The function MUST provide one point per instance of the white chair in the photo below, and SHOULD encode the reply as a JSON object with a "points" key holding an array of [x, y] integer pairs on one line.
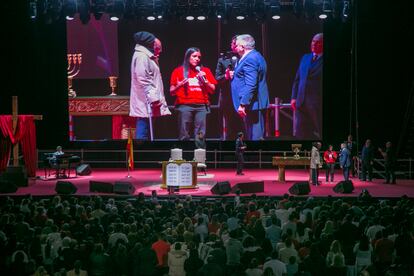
{"points": [[176, 154], [200, 158]]}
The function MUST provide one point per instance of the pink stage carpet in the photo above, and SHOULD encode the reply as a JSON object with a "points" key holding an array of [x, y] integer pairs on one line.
{"points": [[146, 180]]}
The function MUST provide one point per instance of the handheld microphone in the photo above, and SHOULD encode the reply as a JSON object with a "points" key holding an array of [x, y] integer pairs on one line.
{"points": [[233, 61], [198, 68]]}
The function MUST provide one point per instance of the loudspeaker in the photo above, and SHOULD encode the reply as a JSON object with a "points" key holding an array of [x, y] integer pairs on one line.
{"points": [[124, 187], [7, 186], [65, 188], [249, 187], [221, 188], [16, 175], [83, 169], [100, 187], [300, 188], [344, 187]]}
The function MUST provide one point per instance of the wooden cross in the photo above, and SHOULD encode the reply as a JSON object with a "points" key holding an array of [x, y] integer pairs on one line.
{"points": [[15, 115]]}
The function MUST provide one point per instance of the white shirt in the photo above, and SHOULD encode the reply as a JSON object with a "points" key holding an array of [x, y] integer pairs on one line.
{"points": [[244, 55], [279, 268]]}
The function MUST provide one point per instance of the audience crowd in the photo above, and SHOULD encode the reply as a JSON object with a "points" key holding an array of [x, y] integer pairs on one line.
{"points": [[181, 236]]}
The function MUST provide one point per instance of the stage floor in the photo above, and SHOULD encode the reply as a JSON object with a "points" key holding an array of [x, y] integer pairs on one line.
{"points": [[147, 180]]}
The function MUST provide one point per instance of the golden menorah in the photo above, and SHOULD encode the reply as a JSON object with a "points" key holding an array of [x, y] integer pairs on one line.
{"points": [[74, 63]]}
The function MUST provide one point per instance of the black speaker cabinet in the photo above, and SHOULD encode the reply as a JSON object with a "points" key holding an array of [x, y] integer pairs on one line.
{"points": [[124, 187], [65, 188], [300, 188], [249, 187], [221, 188], [344, 187], [17, 175], [84, 169], [7, 186], [101, 187]]}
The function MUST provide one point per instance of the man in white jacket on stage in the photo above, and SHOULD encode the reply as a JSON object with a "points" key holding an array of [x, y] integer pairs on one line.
{"points": [[147, 98]]}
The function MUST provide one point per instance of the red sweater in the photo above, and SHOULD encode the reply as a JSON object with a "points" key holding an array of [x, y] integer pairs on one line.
{"points": [[193, 92], [330, 157]]}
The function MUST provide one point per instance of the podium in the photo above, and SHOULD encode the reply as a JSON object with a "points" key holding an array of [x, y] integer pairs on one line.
{"points": [[179, 173], [281, 162]]}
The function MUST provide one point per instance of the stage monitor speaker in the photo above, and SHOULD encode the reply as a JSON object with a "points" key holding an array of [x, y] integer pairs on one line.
{"points": [[65, 188], [249, 187], [16, 175], [124, 187], [221, 188], [101, 187], [344, 187], [300, 188], [7, 186], [83, 169]]}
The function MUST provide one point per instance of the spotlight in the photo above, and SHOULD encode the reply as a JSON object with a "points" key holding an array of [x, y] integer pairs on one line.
{"points": [[33, 9], [240, 17], [116, 10], [70, 7], [219, 16], [345, 10], [201, 17], [98, 8], [275, 9], [189, 17], [151, 18], [159, 16], [326, 9], [84, 14]]}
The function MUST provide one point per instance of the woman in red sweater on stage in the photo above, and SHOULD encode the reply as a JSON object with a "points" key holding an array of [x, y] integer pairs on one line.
{"points": [[330, 157], [192, 84]]}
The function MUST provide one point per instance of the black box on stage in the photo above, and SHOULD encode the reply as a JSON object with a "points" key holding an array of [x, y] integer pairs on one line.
{"points": [[300, 188], [249, 187], [221, 188], [17, 175], [7, 186], [65, 188], [344, 187], [124, 187], [101, 187], [83, 169]]}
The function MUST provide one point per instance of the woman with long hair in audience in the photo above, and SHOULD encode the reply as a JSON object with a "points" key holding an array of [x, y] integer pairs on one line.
{"points": [[363, 253]]}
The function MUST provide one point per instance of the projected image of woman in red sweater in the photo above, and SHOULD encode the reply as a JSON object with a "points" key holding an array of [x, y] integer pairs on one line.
{"points": [[192, 84]]}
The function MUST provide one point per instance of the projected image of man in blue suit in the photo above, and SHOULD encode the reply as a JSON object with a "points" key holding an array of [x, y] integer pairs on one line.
{"points": [[307, 92], [249, 87]]}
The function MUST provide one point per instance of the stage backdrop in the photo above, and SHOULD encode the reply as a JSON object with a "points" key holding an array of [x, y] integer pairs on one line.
{"points": [[107, 49]]}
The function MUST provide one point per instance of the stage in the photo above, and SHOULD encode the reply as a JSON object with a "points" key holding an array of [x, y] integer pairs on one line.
{"points": [[147, 180]]}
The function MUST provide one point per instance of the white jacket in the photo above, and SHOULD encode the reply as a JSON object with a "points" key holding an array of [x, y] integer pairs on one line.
{"points": [[176, 259], [315, 158], [146, 85]]}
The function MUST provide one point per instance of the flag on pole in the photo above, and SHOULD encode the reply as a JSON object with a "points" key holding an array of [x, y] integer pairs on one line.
{"points": [[130, 150]]}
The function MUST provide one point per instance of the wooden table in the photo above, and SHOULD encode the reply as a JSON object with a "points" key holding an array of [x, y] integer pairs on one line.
{"points": [[282, 162]]}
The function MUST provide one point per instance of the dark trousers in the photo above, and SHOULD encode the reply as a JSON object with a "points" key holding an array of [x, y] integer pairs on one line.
{"points": [[366, 169], [345, 171], [308, 122], [254, 125], [330, 171], [390, 173], [315, 176], [191, 117], [240, 161]]}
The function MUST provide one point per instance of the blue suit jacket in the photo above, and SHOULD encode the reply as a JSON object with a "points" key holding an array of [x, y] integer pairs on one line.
{"points": [[345, 158], [307, 87], [249, 86]]}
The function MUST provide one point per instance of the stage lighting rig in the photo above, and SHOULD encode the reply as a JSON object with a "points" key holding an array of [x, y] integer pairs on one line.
{"points": [[98, 8], [70, 7], [116, 9], [84, 11]]}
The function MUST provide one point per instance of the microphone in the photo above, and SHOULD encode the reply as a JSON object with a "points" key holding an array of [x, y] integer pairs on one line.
{"points": [[233, 61], [198, 68]]}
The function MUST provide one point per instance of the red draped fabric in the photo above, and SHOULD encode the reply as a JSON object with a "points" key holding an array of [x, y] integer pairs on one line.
{"points": [[25, 135], [117, 124]]}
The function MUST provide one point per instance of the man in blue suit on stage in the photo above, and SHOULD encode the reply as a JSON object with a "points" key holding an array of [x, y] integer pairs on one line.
{"points": [[249, 88], [307, 92]]}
